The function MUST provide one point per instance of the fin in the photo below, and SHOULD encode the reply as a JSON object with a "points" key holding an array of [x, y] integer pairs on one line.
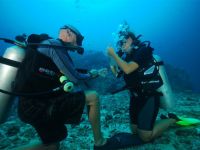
{"points": [[128, 140], [174, 116], [121, 140], [187, 121]]}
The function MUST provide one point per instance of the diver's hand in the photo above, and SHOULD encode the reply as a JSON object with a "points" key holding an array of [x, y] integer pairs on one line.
{"points": [[102, 72], [110, 51], [93, 73]]}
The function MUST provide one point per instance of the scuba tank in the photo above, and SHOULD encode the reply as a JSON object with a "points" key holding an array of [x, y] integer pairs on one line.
{"points": [[166, 100], [7, 76], [8, 72]]}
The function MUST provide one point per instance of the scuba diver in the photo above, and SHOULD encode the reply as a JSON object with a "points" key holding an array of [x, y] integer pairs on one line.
{"points": [[136, 63], [45, 68]]}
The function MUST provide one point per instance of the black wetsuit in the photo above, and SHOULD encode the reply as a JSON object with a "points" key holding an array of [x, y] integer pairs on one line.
{"points": [[144, 105], [48, 114]]}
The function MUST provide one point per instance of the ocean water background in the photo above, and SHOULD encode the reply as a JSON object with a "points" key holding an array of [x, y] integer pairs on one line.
{"points": [[173, 26]]}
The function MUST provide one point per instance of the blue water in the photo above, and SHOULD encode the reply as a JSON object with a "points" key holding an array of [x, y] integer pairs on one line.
{"points": [[173, 26]]}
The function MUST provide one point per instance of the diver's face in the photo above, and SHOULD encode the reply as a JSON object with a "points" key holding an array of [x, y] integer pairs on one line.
{"points": [[67, 35], [126, 47]]}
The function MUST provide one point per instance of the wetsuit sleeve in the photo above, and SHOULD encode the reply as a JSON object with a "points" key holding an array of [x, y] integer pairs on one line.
{"points": [[61, 59], [142, 55]]}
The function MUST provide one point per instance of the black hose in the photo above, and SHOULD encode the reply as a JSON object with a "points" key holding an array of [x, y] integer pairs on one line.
{"points": [[67, 46], [32, 94]]}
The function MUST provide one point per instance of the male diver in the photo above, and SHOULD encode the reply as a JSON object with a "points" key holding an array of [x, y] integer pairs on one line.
{"points": [[48, 114]]}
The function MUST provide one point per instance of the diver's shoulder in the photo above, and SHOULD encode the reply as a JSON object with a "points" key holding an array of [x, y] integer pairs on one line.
{"points": [[52, 41]]}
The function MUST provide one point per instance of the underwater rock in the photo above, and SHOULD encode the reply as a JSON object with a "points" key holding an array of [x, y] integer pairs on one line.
{"points": [[4, 143], [108, 117], [114, 119], [186, 132], [13, 130], [179, 78]]}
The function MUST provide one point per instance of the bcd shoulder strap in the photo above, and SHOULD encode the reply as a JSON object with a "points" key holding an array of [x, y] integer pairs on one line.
{"points": [[9, 62]]}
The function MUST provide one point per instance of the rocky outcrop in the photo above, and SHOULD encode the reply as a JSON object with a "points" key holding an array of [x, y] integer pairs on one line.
{"points": [[114, 119]]}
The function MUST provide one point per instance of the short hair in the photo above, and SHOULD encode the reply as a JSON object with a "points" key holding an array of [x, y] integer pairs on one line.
{"points": [[79, 36]]}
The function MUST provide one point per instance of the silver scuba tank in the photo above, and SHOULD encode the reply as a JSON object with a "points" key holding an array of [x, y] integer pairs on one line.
{"points": [[167, 100], [7, 76]]}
